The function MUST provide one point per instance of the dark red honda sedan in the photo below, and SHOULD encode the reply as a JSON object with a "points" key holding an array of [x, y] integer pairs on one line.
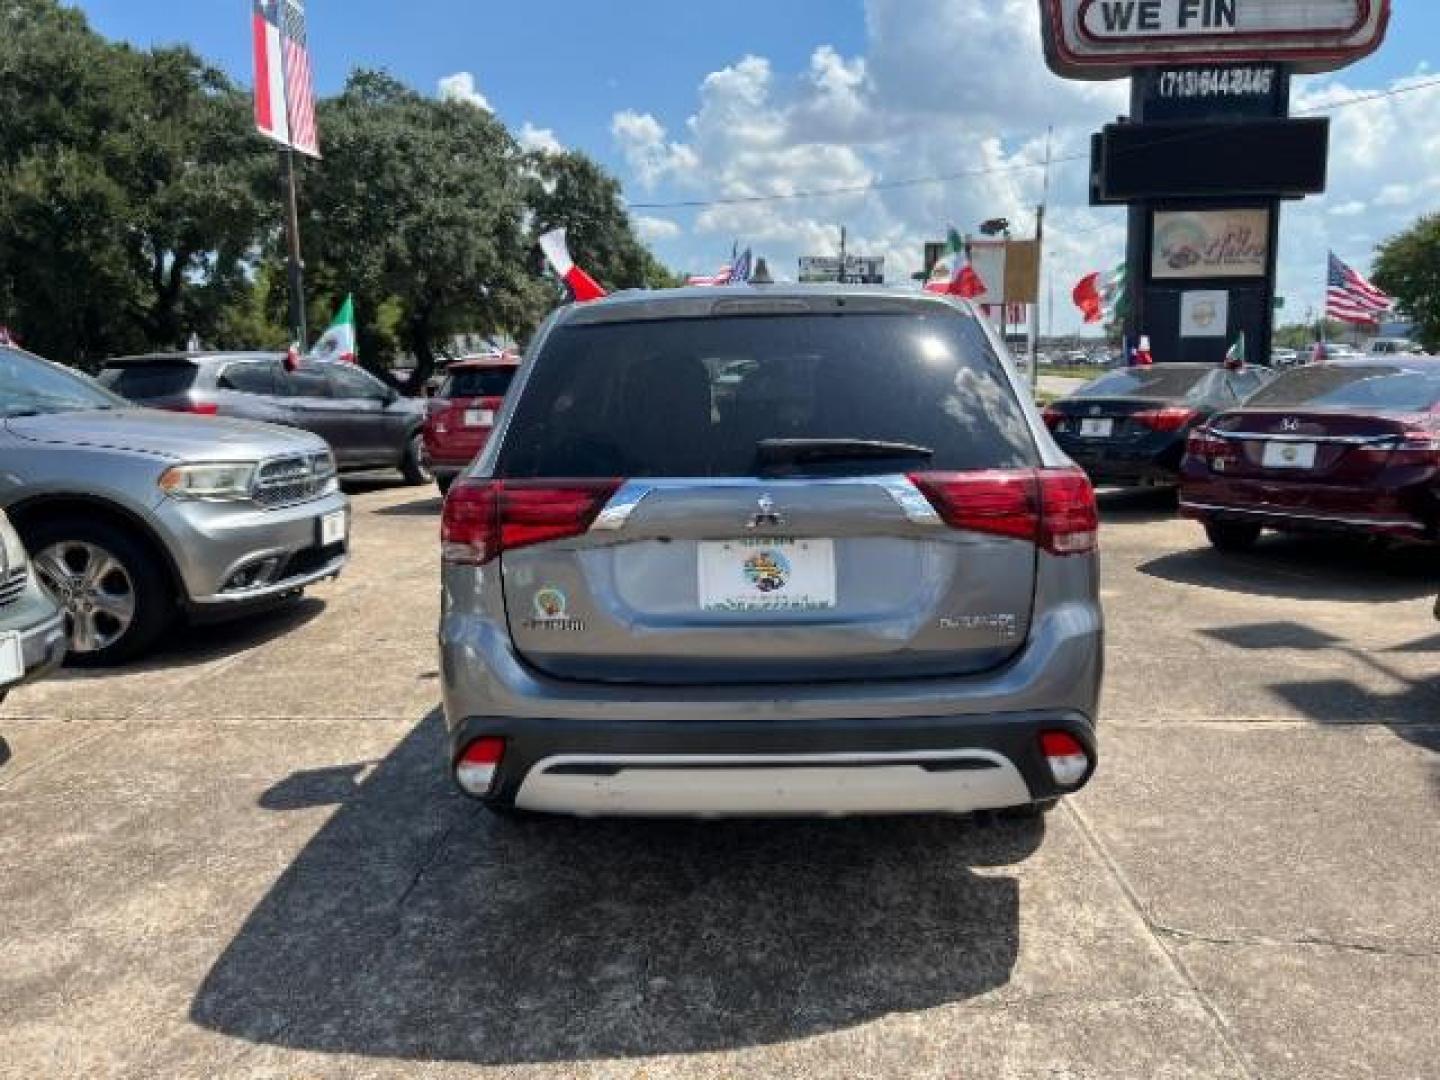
{"points": [[462, 414], [1349, 446]]}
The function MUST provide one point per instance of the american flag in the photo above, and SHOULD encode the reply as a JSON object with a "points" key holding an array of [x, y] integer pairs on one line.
{"points": [[284, 80], [1350, 298], [720, 277]]}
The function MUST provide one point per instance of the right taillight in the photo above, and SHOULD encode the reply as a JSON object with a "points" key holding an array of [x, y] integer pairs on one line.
{"points": [[1054, 508], [483, 518]]}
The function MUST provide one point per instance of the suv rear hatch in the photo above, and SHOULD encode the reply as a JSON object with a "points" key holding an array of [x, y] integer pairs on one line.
{"points": [[837, 495], [462, 415], [160, 383]]}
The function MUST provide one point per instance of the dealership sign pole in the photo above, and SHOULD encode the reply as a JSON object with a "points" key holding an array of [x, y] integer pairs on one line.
{"points": [[1209, 150]]}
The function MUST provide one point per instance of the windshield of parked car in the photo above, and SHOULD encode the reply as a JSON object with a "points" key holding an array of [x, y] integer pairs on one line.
{"points": [[698, 397], [30, 386], [1391, 387], [1165, 383], [478, 382]]}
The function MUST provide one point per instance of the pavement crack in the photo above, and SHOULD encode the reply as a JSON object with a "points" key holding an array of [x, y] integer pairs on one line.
{"points": [[432, 855], [1299, 941], [1182, 971]]}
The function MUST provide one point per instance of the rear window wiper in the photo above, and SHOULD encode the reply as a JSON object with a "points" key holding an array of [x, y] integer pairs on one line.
{"points": [[770, 453]]}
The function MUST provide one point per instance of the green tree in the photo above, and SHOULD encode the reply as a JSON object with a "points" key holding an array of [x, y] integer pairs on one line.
{"points": [[129, 212], [1408, 268], [570, 189], [419, 204]]}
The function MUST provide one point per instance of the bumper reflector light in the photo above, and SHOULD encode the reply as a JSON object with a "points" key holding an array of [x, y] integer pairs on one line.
{"points": [[475, 771], [1066, 757]]}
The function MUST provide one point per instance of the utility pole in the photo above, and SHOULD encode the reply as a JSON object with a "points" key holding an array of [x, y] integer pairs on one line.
{"points": [[1040, 262], [841, 277], [296, 266]]}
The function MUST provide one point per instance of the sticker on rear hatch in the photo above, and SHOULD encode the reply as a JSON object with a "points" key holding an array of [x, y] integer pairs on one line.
{"points": [[551, 611]]}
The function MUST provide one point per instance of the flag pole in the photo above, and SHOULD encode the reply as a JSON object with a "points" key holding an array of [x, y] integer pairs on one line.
{"points": [[295, 265]]}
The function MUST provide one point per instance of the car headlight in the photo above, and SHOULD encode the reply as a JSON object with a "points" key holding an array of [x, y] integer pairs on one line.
{"points": [[221, 483]]}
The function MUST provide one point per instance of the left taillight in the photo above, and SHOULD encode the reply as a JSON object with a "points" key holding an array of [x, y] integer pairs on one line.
{"points": [[1054, 508], [478, 762], [196, 408], [1053, 417], [1065, 756], [1167, 419], [483, 518]]}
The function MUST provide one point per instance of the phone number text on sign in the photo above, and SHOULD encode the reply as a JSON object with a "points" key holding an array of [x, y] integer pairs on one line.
{"points": [[1226, 82]]}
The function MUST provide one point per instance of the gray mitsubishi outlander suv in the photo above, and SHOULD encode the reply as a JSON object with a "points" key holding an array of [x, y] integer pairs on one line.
{"points": [[769, 551], [134, 517]]}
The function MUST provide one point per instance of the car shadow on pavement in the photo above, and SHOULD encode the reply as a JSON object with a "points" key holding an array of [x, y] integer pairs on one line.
{"points": [[4, 751], [1306, 568], [1137, 506], [416, 926], [426, 507]]}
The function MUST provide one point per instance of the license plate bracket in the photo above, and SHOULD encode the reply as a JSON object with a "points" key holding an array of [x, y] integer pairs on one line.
{"points": [[767, 574], [1097, 429], [1289, 455], [332, 528]]}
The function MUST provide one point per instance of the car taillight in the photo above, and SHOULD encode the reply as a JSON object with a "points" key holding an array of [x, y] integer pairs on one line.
{"points": [[483, 518], [1066, 757], [1054, 508], [1069, 518], [1053, 417], [1416, 447], [1209, 447], [198, 408], [475, 771], [1167, 419]]}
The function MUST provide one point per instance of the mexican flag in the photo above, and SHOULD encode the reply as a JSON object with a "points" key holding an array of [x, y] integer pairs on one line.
{"points": [[953, 275], [338, 342], [1235, 355], [1115, 296]]}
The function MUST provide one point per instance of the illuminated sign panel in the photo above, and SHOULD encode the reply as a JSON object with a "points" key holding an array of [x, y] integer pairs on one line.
{"points": [[1107, 39]]}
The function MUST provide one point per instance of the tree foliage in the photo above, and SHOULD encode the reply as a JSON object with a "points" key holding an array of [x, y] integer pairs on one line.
{"points": [[1408, 268], [139, 206]]}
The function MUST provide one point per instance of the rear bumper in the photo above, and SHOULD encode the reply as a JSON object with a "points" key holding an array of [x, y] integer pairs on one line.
{"points": [[945, 764], [1298, 520], [1152, 461]]}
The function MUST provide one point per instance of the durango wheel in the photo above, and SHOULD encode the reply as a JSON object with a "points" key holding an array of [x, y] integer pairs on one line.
{"points": [[116, 599]]}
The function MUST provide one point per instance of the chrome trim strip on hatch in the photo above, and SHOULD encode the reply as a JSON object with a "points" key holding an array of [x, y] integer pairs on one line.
{"points": [[617, 512], [1341, 440]]}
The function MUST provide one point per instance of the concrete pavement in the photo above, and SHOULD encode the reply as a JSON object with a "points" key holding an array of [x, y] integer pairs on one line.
{"points": [[243, 859]]}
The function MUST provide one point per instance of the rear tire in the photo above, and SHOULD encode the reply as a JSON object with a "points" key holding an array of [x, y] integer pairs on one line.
{"points": [[1232, 535], [112, 585], [414, 468]]}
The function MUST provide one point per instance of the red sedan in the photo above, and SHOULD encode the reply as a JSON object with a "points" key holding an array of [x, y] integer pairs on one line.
{"points": [[1350, 446], [462, 413]]}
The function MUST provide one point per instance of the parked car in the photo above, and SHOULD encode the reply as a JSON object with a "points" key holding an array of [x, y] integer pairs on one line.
{"points": [[1129, 427], [816, 599], [134, 516], [367, 424], [1393, 346], [462, 412], [32, 628], [1281, 358], [1351, 446]]}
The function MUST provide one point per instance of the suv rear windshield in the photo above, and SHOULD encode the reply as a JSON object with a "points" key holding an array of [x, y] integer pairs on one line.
{"points": [[150, 380], [695, 397], [1164, 383], [1389, 387], [478, 382]]}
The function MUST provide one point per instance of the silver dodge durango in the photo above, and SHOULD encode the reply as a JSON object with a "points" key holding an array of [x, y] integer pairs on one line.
{"points": [[770, 550]]}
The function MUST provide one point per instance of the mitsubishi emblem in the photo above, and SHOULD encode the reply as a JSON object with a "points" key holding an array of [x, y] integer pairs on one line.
{"points": [[768, 517]]}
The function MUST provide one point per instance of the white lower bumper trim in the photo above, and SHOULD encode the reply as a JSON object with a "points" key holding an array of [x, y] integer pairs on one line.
{"points": [[810, 785]]}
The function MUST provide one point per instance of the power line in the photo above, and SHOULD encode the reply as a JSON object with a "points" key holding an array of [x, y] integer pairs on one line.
{"points": [[966, 174]]}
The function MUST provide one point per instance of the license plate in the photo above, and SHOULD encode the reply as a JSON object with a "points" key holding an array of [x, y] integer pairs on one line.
{"points": [[1096, 429], [332, 528], [1289, 455], [479, 417], [12, 659], [767, 574]]}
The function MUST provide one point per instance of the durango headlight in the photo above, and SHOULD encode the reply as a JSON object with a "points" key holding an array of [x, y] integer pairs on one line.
{"points": [[220, 483]]}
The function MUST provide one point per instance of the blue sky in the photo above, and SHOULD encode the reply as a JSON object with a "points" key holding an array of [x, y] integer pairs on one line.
{"points": [[761, 98]]}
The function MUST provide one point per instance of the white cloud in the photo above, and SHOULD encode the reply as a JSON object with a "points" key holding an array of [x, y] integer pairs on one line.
{"points": [[538, 139], [652, 229], [961, 92], [461, 87]]}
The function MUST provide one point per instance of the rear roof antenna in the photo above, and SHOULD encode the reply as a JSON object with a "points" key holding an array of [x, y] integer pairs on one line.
{"points": [[761, 273]]}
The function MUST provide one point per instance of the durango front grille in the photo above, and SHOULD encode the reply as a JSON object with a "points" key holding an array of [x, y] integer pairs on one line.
{"points": [[294, 479], [12, 584]]}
